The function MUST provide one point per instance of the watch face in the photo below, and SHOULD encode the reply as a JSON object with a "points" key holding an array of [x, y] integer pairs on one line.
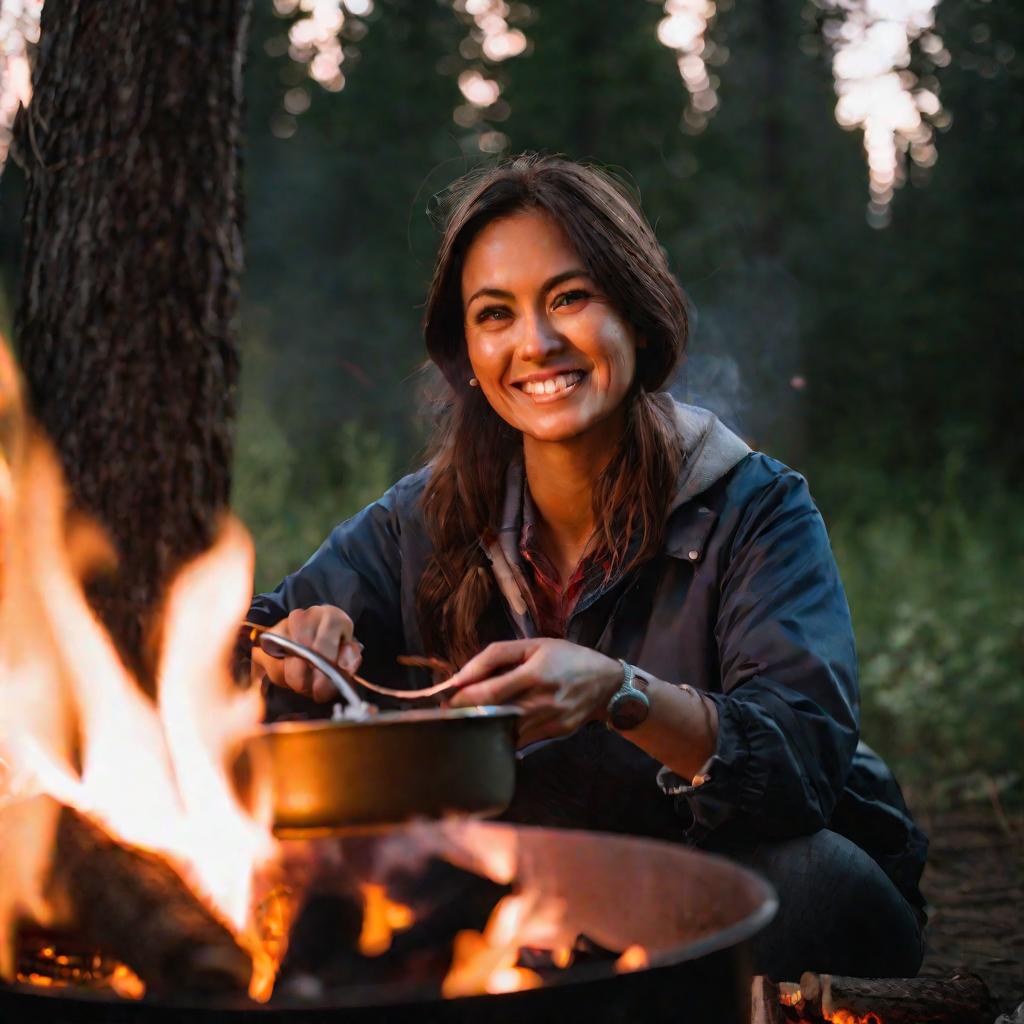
{"points": [[628, 710]]}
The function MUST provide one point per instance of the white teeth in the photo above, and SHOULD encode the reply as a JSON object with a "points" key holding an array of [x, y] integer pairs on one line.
{"points": [[561, 382]]}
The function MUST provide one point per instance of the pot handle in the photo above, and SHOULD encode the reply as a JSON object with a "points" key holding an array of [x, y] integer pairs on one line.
{"points": [[278, 646]]}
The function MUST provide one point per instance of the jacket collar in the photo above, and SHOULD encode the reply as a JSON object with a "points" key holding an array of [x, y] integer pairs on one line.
{"points": [[711, 450]]}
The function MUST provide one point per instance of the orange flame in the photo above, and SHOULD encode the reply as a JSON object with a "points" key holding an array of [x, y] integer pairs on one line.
{"points": [[633, 958], [846, 1017], [382, 917], [487, 963], [562, 957], [153, 775]]}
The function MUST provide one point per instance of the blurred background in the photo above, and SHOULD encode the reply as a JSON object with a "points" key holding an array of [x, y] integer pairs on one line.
{"points": [[837, 184]]}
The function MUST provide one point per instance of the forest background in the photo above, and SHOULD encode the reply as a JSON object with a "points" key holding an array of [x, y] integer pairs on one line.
{"points": [[876, 347]]}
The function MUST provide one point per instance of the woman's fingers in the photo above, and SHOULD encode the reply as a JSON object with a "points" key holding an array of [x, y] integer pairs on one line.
{"points": [[324, 629], [492, 658], [323, 690], [298, 676], [503, 689]]}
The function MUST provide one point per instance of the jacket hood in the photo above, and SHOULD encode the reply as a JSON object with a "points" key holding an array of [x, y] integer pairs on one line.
{"points": [[711, 448]]}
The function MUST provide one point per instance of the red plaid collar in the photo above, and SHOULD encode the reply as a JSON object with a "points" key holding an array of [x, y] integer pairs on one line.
{"points": [[554, 601]]}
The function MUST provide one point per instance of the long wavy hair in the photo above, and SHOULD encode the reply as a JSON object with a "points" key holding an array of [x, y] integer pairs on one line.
{"points": [[472, 446]]}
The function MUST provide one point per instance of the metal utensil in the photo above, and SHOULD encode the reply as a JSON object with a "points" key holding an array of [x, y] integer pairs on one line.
{"points": [[265, 637], [353, 708]]}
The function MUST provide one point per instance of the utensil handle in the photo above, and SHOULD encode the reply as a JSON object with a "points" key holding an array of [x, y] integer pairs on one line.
{"points": [[278, 646]]}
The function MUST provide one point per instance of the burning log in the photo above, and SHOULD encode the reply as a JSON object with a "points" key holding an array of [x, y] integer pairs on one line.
{"points": [[329, 945], [963, 999], [136, 906]]}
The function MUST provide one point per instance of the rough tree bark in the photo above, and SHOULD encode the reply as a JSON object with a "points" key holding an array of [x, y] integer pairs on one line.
{"points": [[132, 254]]}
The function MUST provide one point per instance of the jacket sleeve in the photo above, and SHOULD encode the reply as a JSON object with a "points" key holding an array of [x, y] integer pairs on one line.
{"points": [[788, 711], [358, 568]]}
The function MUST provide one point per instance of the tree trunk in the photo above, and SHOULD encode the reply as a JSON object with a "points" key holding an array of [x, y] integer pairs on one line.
{"points": [[132, 253]]}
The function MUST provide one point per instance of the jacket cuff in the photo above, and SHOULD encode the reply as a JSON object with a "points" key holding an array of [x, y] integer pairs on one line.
{"points": [[728, 784]]}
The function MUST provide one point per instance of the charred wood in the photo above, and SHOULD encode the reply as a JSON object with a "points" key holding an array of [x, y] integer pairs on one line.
{"points": [[135, 906], [323, 949], [963, 999]]}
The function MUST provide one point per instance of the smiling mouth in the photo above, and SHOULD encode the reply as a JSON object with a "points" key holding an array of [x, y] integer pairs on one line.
{"points": [[557, 386]]}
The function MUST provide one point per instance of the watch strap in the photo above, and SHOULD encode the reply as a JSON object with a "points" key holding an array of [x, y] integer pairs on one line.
{"points": [[632, 692]]}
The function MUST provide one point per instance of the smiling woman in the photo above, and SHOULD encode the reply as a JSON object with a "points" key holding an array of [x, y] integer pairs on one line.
{"points": [[659, 601], [553, 357]]}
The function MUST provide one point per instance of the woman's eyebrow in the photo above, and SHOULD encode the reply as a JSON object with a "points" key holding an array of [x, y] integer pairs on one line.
{"points": [[566, 275], [551, 282], [494, 293]]}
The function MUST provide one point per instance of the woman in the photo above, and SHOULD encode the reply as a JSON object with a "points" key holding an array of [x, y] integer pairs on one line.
{"points": [[572, 516]]}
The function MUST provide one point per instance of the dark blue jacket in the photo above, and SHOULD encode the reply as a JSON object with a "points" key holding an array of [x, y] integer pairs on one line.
{"points": [[744, 602]]}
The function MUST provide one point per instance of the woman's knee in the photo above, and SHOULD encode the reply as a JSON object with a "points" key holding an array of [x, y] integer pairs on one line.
{"points": [[838, 911]]}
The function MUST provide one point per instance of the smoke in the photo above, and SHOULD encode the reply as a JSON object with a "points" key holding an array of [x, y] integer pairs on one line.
{"points": [[745, 360]]}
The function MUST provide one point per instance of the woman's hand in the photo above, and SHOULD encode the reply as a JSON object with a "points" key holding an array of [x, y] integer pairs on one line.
{"points": [[559, 685], [328, 631]]}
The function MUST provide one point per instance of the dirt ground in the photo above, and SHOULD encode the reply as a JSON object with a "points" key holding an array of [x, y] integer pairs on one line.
{"points": [[974, 883]]}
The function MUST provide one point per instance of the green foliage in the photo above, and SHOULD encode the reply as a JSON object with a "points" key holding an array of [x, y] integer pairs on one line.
{"points": [[288, 516], [938, 609]]}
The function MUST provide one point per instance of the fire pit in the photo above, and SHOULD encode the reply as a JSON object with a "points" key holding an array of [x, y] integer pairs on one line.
{"points": [[644, 930]]}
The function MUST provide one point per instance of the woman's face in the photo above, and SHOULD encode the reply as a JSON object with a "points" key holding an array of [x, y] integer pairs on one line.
{"points": [[553, 357]]}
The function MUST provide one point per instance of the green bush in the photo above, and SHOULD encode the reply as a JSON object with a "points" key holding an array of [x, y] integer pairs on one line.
{"points": [[938, 608], [290, 501]]}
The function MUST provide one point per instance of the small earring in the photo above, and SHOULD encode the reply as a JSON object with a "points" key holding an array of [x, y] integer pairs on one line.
{"points": [[473, 382]]}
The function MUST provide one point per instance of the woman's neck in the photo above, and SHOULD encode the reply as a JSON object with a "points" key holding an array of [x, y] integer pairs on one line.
{"points": [[561, 477]]}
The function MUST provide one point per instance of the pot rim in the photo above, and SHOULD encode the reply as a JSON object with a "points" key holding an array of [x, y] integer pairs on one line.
{"points": [[409, 717]]}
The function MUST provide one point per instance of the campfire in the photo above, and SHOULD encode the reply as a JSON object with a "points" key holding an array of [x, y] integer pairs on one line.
{"points": [[136, 864]]}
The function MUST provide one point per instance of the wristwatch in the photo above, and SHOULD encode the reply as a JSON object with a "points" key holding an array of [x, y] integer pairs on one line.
{"points": [[630, 705]]}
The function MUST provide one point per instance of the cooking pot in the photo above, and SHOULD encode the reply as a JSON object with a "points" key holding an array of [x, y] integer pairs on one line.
{"points": [[369, 767]]}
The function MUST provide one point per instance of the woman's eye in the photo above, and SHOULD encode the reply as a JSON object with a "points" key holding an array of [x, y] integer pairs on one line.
{"points": [[568, 298], [491, 313]]}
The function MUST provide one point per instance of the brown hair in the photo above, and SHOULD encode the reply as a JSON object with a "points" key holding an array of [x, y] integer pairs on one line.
{"points": [[472, 445]]}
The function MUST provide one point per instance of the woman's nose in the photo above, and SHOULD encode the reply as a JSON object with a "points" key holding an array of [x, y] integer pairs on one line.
{"points": [[539, 340]]}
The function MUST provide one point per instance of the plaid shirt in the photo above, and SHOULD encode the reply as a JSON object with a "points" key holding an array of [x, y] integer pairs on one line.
{"points": [[553, 601]]}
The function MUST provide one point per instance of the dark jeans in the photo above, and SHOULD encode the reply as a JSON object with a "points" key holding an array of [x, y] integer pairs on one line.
{"points": [[838, 912]]}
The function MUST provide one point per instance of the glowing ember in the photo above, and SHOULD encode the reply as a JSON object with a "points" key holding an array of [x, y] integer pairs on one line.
{"points": [[845, 1017], [152, 775], [487, 963], [49, 969], [382, 917], [126, 983], [789, 993], [562, 957], [267, 939], [634, 958]]}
